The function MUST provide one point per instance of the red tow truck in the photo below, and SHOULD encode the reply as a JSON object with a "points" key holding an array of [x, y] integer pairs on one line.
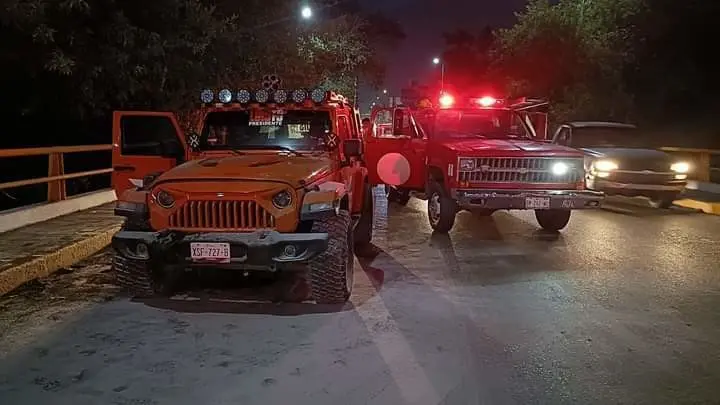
{"points": [[476, 153]]}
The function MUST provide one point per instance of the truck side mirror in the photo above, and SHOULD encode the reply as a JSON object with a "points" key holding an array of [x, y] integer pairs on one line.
{"points": [[352, 148]]}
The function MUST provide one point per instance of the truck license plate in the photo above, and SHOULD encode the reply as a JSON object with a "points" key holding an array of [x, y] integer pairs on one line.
{"points": [[214, 252], [537, 203]]}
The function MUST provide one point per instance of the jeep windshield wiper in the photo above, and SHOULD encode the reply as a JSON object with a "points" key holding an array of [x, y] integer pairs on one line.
{"points": [[271, 147]]}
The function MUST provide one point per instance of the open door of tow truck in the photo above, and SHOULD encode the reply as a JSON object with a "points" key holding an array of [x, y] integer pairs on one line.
{"points": [[534, 112], [144, 142], [396, 149]]}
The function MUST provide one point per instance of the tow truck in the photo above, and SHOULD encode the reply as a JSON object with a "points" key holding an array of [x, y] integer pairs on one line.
{"points": [[269, 180], [477, 153]]}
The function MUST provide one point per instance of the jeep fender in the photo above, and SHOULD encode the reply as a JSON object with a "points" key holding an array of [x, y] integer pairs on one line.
{"points": [[326, 199]]}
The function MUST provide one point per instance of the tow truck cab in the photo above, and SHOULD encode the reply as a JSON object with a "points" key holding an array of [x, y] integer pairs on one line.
{"points": [[478, 153]]}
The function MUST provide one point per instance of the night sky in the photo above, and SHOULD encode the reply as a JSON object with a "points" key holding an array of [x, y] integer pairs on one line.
{"points": [[424, 21]]}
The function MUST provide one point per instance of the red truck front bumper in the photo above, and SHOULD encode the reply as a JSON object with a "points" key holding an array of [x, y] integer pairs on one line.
{"points": [[527, 199]]}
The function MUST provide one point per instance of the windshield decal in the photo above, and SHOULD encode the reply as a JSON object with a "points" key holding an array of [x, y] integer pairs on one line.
{"points": [[261, 118]]}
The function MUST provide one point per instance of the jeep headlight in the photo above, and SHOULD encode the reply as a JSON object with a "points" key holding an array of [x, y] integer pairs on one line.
{"points": [[560, 168], [680, 167], [282, 199], [467, 164], [164, 199], [605, 165]]}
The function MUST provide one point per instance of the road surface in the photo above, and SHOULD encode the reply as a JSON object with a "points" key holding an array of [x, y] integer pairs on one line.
{"points": [[622, 308]]}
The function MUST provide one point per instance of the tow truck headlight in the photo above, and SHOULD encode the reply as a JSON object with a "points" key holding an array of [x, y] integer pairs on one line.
{"points": [[605, 165], [680, 167], [467, 164], [282, 199], [560, 168]]}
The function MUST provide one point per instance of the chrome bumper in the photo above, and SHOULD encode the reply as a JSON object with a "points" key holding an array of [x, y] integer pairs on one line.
{"points": [[527, 199], [603, 185]]}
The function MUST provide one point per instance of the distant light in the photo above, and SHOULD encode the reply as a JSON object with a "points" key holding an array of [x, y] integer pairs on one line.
{"points": [[436, 61], [385, 91], [306, 12], [487, 101], [447, 100]]}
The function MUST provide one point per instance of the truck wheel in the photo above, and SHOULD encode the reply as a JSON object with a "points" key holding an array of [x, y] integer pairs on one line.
{"points": [[137, 277], [441, 208], [665, 201], [397, 195], [552, 220], [364, 227], [331, 272]]}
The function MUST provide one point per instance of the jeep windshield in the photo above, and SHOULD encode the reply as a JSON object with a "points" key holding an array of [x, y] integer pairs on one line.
{"points": [[607, 137], [273, 129], [478, 123]]}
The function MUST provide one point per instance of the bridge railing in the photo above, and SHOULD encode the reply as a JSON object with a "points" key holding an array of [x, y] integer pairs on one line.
{"points": [[704, 168], [56, 178]]}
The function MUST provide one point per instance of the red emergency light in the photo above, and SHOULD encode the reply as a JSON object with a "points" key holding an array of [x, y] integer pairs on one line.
{"points": [[446, 100], [486, 101]]}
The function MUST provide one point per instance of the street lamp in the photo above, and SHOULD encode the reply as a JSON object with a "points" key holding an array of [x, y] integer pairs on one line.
{"points": [[306, 13], [438, 61]]}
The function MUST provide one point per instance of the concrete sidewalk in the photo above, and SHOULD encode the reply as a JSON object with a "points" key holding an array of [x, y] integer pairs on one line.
{"points": [[38, 250], [705, 201]]}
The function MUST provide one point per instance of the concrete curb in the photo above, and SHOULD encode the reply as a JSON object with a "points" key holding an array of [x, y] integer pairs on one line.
{"points": [[45, 265], [706, 207]]}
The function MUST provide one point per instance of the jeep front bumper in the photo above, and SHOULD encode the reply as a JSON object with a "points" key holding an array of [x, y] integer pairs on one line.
{"points": [[248, 250], [526, 199]]}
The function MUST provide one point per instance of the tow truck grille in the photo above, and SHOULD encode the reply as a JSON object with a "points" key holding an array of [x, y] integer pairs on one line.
{"points": [[226, 215], [521, 170]]}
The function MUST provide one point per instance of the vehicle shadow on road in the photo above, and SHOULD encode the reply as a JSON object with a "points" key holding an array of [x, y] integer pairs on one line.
{"points": [[641, 208]]}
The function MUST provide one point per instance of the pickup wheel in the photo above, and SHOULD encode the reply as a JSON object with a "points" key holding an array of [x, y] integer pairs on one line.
{"points": [[664, 201], [138, 278], [552, 220], [441, 208], [331, 272], [364, 227], [397, 195]]}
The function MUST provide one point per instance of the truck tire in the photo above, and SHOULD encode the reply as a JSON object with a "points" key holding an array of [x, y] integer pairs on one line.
{"points": [[364, 227], [553, 220], [136, 277], [397, 195], [664, 201], [441, 208], [331, 272]]}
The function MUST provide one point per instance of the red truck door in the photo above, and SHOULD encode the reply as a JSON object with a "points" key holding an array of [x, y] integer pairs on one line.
{"points": [[144, 142], [396, 150]]}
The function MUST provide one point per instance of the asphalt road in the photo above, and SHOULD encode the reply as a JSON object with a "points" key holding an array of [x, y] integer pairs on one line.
{"points": [[623, 307]]}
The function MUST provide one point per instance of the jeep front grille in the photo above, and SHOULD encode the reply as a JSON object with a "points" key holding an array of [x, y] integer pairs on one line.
{"points": [[230, 215], [521, 170]]}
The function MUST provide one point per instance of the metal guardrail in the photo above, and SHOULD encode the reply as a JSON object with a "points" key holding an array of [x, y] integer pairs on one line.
{"points": [[56, 178], [701, 160]]}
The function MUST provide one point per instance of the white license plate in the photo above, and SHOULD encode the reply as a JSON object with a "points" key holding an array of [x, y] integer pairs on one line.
{"points": [[537, 203], [214, 252]]}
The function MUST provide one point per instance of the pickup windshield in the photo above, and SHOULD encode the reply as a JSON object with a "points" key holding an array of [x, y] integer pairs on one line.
{"points": [[265, 128], [479, 123]]}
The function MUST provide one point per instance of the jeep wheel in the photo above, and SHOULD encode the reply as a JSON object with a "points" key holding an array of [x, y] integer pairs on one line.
{"points": [[138, 279], [331, 272], [552, 220], [364, 227], [441, 208], [397, 195]]}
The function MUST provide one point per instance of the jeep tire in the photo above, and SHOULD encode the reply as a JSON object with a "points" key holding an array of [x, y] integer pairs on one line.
{"points": [[397, 195], [331, 272], [364, 227], [138, 278], [553, 220], [441, 208]]}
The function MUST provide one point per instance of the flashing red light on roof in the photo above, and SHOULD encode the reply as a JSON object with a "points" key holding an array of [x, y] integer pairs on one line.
{"points": [[447, 100], [487, 101]]}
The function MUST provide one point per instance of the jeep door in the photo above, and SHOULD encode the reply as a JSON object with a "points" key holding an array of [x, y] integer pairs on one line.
{"points": [[144, 142], [396, 150]]}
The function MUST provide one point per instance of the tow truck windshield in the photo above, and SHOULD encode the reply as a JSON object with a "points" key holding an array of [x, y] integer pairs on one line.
{"points": [[479, 123], [265, 129]]}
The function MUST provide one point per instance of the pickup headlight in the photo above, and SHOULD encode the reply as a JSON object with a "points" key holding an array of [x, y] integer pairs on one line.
{"points": [[467, 164], [605, 165], [680, 167], [560, 168]]}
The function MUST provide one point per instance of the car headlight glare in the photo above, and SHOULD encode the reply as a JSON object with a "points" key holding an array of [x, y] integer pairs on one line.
{"points": [[282, 199], [560, 168], [467, 164], [605, 165], [680, 167]]}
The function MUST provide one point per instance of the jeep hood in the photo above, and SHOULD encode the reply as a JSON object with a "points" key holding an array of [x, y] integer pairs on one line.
{"points": [[508, 147], [294, 171]]}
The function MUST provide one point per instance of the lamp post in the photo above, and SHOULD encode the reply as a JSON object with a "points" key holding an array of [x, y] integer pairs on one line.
{"points": [[438, 61]]}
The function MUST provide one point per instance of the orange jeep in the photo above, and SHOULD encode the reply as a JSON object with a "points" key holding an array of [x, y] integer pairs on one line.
{"points": [[269, 181]]}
